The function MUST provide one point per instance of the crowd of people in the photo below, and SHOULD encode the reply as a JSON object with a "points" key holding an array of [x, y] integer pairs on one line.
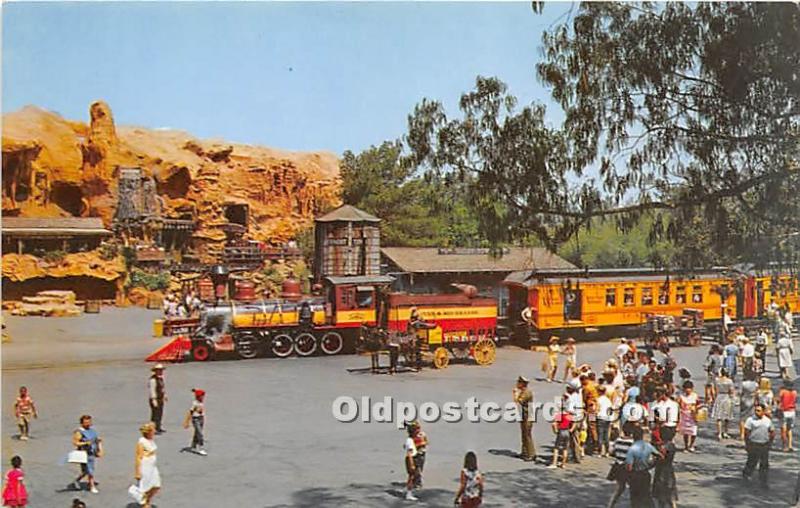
{"points": [[641, 391], [88, 446], [187, 305]]}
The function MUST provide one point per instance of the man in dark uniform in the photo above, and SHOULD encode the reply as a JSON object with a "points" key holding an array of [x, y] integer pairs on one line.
{"points": [[524, 397], [305, 316], [158, 396], [415, 322]]}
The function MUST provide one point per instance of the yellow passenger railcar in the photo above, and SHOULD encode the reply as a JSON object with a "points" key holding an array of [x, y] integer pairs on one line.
{"points": [[606, 303]]}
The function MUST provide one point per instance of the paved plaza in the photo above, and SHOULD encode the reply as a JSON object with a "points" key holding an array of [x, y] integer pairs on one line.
{"points": [[273, 441]]}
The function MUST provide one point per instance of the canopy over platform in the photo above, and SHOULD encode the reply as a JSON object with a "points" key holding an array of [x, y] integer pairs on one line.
{"points": [[62, 227]]}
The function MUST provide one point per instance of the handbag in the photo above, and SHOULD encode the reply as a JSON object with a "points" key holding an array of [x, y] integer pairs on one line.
{"points": [[136, 493], [78, 457]]}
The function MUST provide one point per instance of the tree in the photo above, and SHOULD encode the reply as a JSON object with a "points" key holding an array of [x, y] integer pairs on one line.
{"points": [[690, 114], [376, 182], [701, 105], [602, 245], [508, 160]]}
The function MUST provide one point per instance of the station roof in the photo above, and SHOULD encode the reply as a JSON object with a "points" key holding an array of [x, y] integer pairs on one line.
{"points": [[347, 213], [435, 260], [53, 226]]}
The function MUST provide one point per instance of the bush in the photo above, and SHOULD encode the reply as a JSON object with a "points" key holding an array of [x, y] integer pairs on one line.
{"points": [[108, 251], [151, 281], [54, 256]]}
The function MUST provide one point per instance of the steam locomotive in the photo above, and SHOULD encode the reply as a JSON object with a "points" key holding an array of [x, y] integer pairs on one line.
{"points": [[463, 324]]}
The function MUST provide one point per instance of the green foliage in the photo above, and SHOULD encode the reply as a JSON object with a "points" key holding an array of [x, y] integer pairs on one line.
{"points": [[151, 281], [604, 245], [108, 251], [682, 114], [129, 255], [511, 165], [273, 275], [54, 256], [689, 109], [305, 242], [415, 211], [302, 272]]}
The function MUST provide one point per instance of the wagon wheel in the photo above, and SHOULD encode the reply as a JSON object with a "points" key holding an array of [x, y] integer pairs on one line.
{"points": [[281, 345], [441, 358], [484, 352], [305, 344], [331, 343]]}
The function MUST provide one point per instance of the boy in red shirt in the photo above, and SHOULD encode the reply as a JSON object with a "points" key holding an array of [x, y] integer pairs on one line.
{"points": [[787, 402], [563, 427]]}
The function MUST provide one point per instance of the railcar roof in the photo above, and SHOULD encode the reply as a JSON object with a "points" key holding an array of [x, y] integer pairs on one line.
{"points": [[529, 278]]}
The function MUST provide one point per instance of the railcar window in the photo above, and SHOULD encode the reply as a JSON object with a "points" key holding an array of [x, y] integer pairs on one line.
{"points": [[611, 297], [627, 299], [680, 294], [663, 296], [647, 296], [364, 299], [697, 294], [346, 298]]}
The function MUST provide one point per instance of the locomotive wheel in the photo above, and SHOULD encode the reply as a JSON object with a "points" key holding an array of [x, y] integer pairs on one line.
{"points": [[305, 344], [441, 358], [247, 350], [484, 352], [281, 345], [331, 343], [202, 351]]}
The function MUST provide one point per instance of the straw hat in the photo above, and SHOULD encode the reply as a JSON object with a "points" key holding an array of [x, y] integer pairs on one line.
{"points": [[158, 366]]}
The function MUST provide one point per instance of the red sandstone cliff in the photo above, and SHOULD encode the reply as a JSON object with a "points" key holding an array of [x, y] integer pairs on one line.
{"points": [[56, 167]]}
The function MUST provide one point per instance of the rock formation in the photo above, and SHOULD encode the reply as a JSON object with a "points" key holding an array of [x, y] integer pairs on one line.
{"points": [[56, 167]]}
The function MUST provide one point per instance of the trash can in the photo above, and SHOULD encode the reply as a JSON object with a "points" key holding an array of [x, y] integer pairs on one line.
{"points": [[158, 328]]}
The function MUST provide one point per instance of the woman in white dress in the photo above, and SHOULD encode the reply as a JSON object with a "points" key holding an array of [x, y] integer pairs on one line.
{"points": [[785, 350], [146, 471]]}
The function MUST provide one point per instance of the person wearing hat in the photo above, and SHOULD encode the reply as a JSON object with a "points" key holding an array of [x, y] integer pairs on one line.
{"points": [[197, 416], [415, 322], [158, 396], [524, 397], [553, 351]]}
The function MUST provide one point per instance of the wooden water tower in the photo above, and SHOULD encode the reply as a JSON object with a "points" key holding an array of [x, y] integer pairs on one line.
{"points": [[347, 242]]}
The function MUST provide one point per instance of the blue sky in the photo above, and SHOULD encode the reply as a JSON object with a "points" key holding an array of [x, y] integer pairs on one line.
{"points": [[305, 76]]}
